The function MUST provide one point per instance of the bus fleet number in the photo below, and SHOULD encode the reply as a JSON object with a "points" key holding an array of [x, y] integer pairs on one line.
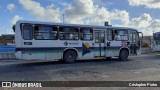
{"points": [[27, 43]]}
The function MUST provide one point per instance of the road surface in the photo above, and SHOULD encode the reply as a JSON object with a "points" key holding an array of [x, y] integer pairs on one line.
{"points": [[137, 68]]}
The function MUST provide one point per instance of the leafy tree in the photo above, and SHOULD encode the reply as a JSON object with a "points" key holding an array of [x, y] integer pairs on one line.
{"points": [[1, 38]]}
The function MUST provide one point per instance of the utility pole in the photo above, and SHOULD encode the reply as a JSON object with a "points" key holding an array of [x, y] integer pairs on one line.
{"points": [[63, 17]]}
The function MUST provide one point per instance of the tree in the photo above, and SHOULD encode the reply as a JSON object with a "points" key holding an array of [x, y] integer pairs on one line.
{"points": [[1, 38]]}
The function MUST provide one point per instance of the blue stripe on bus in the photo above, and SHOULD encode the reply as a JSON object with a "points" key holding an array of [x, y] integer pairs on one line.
{"points": [[47, 48], [60, 48]]}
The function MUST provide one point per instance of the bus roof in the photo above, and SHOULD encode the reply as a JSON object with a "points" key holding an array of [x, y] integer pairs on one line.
{"points": [[73, 25]]}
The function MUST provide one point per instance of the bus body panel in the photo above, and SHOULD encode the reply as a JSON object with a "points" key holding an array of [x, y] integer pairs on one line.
{"points": [[54, 49], [113, 49]]}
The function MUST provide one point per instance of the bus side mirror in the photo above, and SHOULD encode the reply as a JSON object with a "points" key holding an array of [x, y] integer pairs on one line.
{"points": [[13, 27], [140, 34]]}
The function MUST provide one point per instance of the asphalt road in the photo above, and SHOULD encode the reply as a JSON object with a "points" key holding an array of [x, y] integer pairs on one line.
{"points": [[145, 67]]}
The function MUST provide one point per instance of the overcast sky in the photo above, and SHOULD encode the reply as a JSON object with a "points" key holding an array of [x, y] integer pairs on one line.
{"points": [[141, 14]]}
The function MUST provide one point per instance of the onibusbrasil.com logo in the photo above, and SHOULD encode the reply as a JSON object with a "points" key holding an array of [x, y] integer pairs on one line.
{"points": [[6, 84], [19, 84]]}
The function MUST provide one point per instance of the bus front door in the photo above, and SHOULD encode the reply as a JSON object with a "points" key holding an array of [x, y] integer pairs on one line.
{"points": [[134, 42], [99, 43]]}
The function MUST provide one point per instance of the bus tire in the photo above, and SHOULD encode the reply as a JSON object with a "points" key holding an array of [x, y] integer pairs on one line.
{"points": [[123, 54], [69, 56]]}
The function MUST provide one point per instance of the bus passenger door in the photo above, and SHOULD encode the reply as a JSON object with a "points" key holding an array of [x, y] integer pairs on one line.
{"points": [[99, 43], [134, 43]]}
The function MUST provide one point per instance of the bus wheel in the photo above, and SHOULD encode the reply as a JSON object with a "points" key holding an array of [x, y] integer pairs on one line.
{"points": [[69, 56], [123, 55]]}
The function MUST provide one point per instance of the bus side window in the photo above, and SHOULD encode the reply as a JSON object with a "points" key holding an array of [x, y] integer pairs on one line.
{"points": [[68, 33], [121, 35], [45, 33], [86, 34], [54, 33], [110, 35], [115, 35], [27, 32]]}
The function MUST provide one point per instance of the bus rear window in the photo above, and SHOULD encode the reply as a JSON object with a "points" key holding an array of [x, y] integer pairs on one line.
{"points": [[27, 32]]}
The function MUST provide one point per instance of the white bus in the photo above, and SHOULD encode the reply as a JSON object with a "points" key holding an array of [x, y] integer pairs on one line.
{"points": [[69, 42], [156, 41]]}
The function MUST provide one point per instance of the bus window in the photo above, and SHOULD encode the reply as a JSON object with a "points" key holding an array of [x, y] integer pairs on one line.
{"points": [[86, 34], [97, 37], [45, 33], [121, 35], [110, 35], [156, 36], [134, 36], [27, 32], [68, 33]]}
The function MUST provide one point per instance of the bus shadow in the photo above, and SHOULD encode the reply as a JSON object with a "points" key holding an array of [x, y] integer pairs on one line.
{"points": [[86, 61], [55, 65], [101, 60]]}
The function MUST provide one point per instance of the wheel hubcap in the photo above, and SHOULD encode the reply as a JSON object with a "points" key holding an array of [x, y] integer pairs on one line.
{"points": [[70, 56]]}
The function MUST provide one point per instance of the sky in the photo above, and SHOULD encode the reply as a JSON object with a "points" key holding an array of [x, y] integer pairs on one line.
{"points": [[143, 15]]}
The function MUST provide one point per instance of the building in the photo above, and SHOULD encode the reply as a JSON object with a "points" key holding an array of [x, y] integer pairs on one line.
{"points": [[147, 40], [7, 39]]}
